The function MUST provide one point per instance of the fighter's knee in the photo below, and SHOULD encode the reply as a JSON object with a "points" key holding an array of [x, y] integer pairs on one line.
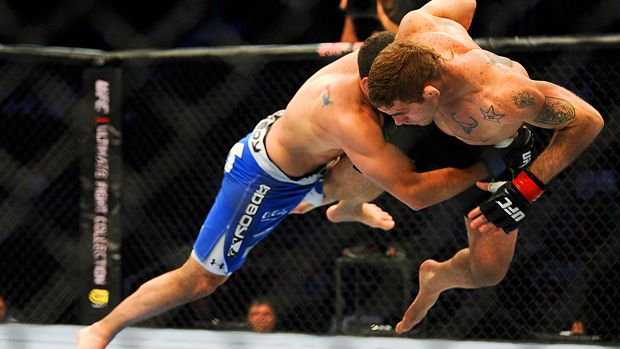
{"points": [[488, 272], [197, 279], [490, 277], [208, 283]]}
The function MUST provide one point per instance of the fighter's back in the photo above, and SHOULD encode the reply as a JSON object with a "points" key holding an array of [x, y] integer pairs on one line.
{"points": [[302, 139]]}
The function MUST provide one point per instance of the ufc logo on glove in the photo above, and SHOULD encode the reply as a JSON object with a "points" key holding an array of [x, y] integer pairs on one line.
{"points": [[513, 212]]}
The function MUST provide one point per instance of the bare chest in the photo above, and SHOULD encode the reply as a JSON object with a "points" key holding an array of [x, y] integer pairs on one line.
{"points": [[478, 121]]}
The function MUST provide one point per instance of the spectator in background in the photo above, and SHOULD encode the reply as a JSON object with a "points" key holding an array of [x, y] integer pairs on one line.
{"points": [[578, 328], [365, 17], [262, 316], [5, 316]]}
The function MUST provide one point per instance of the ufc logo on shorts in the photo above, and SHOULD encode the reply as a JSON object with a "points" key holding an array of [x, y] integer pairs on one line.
{"points": [[526, 158], [514, 212]]}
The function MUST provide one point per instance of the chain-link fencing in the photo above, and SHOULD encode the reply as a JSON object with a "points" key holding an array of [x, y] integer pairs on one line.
{"points": [[182, 110]]}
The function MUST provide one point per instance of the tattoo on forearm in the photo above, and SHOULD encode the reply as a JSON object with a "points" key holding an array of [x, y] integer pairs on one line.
{"points": [[466, 126], [490, 115], [555, 111], [523, 99], [325, 96]]}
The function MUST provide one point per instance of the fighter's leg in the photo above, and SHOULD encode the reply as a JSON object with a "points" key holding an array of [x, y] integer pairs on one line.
{"points": [[185, 284], [353, 191], [484, 263], [342, 182]]}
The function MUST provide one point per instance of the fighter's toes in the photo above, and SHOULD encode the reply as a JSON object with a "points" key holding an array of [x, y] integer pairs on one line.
{"points": [[376, 217], [400, 328]]}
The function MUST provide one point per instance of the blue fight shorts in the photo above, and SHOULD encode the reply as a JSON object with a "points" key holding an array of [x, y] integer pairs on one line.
{"points": [[254, 198]]}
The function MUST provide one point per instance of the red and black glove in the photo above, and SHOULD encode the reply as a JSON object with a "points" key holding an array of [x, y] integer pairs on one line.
{"points": [[510, 204]]}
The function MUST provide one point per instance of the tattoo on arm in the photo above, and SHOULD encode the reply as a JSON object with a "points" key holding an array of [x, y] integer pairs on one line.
{"points": [[490, 115], [523, 99], [555, 111], [325, 96]]}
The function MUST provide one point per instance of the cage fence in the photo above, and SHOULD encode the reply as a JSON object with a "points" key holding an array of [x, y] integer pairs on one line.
{"points": [[181, 111]]}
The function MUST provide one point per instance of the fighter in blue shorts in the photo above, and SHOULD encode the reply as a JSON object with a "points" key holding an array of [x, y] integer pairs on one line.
{"points": [[254, 198]]}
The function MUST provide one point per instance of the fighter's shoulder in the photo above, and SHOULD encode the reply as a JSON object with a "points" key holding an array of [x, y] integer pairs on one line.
{"points": [[521, 95], [493, 69], [356, 128], [330, 83], [413, 22], [356, 116]]}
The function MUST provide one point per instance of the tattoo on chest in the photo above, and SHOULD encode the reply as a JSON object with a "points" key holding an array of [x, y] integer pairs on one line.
{"points": [[467, 125], [326, 96], [523, 99], [490, 114], [555, 111]]}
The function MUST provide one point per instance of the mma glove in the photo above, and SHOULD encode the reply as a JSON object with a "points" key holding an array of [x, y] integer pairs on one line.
{"points": [[514, 157], [510, 204]]}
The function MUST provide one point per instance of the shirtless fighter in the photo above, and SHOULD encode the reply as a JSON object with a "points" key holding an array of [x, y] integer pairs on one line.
{"points": [[434, 72], [272, 169]]}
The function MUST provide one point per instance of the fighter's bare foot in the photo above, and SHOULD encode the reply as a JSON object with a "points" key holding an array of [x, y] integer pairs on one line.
{"points": [[426, 298], [92, 337], [369, 214]]}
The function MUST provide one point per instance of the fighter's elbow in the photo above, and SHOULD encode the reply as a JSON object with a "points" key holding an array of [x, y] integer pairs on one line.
{"points": [[592, 125], [417, 204], [598, 122], [465, 13], [416, 207], [470, 5], [413, 195], [409, 198]]}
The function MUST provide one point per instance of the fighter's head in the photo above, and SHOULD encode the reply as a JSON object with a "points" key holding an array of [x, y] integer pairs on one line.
{"points": [[399, 82], [370, 50]]}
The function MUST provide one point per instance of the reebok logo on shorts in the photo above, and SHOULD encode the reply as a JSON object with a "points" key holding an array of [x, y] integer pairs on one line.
{"points": [[246, 219]]}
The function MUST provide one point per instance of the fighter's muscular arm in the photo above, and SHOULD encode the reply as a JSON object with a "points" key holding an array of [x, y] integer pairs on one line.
{"points": [[576, 124], [392, 170], [460, 11]]}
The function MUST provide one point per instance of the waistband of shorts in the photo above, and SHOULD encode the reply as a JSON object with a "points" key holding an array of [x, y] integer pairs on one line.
{"points": [[258, 148], [504, 144]]}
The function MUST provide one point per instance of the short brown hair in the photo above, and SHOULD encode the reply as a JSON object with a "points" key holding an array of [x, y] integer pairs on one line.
{"points": [[401, 71]]}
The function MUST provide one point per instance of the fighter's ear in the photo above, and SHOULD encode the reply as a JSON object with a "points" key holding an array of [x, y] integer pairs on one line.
{"points": [[430, 92], [364, 85]]}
